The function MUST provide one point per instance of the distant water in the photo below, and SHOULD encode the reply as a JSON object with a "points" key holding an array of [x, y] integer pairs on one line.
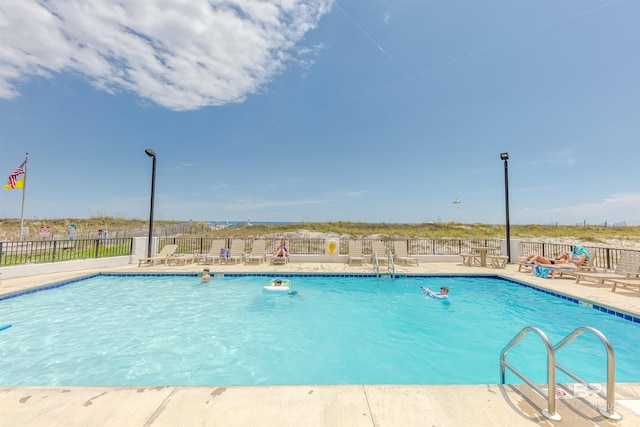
{"points": [[245, 222]]}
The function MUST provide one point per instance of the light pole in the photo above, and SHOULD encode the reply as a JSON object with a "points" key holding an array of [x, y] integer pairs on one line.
{"points": [[151, 153], [505, 158]]}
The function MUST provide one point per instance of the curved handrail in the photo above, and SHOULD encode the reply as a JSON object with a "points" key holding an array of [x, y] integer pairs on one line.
{"points": [[611, 368], [376, 266], [550, 394]]}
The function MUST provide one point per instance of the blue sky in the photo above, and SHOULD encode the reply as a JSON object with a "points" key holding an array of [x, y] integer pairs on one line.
{"points": [[320, 110]]}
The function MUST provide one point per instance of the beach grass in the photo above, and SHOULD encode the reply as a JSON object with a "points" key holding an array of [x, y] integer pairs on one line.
{"points": [[589, 233], [584, 233]]}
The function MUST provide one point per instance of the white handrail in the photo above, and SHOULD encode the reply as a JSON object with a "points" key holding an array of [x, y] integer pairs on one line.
{"points": [[376, 266]]}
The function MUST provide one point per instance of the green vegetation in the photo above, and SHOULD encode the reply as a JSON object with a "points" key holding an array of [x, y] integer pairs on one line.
{"points": [[592, 234], [46, 253], [586, 234], [10, 228]]}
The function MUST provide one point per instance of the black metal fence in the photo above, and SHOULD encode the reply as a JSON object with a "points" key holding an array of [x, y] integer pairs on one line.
{"points": [[158, 231], [317, 246], [605, 257], [43, 251]]}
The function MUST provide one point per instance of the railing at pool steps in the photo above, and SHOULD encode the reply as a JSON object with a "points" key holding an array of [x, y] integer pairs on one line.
{"points": [[550, 394], [391, 268], [376, 265]]}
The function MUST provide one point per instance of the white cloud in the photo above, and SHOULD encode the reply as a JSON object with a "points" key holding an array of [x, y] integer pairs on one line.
{"points": [[180, 54], [183, 165], [563, 157], [615, 208], [356, 193]]}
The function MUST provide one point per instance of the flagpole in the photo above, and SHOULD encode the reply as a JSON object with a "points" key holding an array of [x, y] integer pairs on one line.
{"points": [[24, 188]]}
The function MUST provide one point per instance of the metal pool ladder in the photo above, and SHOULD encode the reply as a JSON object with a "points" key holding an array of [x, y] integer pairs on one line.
{"points": [[550, 394], [374, 261], [391, 268]]}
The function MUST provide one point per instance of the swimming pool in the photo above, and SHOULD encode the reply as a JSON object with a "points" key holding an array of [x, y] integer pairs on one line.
{"points": [[172, 330]]}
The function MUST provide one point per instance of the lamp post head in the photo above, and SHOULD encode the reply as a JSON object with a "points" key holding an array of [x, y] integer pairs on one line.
{"points": [[503, 156], [150, 152]]}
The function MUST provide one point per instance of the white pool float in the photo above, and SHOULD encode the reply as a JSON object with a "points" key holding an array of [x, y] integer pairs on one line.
{"points": [[271, 287]]}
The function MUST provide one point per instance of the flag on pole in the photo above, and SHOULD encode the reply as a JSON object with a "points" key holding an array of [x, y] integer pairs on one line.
{"points": [[13, 178], [19, 184]]}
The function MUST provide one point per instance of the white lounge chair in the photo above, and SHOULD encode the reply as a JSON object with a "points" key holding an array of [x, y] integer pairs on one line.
{"points": [[625, 283], [258, 253], [161, 257], [181, 259], [526, 265], [213, 255], [279, 259], [588, 266], [628, 267], [401, 254], [355, 252], [379, 249], [236, 253]]}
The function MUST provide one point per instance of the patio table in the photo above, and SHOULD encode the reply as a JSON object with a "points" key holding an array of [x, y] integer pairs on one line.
{"points": [[483, 250]]}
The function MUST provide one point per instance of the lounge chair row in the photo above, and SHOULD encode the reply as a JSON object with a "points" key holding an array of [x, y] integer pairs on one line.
{"points": [[237, 254], [218, 253], [380, 253], [168, 256], [626, 273]]}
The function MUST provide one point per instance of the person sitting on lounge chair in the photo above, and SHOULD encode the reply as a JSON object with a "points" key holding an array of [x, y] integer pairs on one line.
{"points": [[539, 259], [579, 256], [281, 251]]}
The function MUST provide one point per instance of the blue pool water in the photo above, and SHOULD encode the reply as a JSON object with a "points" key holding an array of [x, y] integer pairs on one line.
{"points": [[172, 330]]}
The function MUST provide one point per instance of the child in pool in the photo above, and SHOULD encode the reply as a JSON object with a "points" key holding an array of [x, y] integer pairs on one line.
{"points": [[205, 276], [444, 292]]}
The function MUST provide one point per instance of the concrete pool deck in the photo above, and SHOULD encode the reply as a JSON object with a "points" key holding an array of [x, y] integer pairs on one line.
{"points": [[318, 405]]}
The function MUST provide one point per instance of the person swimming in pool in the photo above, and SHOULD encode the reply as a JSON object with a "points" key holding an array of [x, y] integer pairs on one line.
{"points": [[205, 276], [444, 292], [278, 282]]}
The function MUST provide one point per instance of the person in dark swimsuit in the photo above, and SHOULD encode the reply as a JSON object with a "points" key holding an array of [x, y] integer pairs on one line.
{"points": [[281, 251], [539, 259]]}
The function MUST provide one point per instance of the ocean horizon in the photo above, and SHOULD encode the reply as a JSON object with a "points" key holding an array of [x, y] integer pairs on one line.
{"points": [[249, 222]]}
